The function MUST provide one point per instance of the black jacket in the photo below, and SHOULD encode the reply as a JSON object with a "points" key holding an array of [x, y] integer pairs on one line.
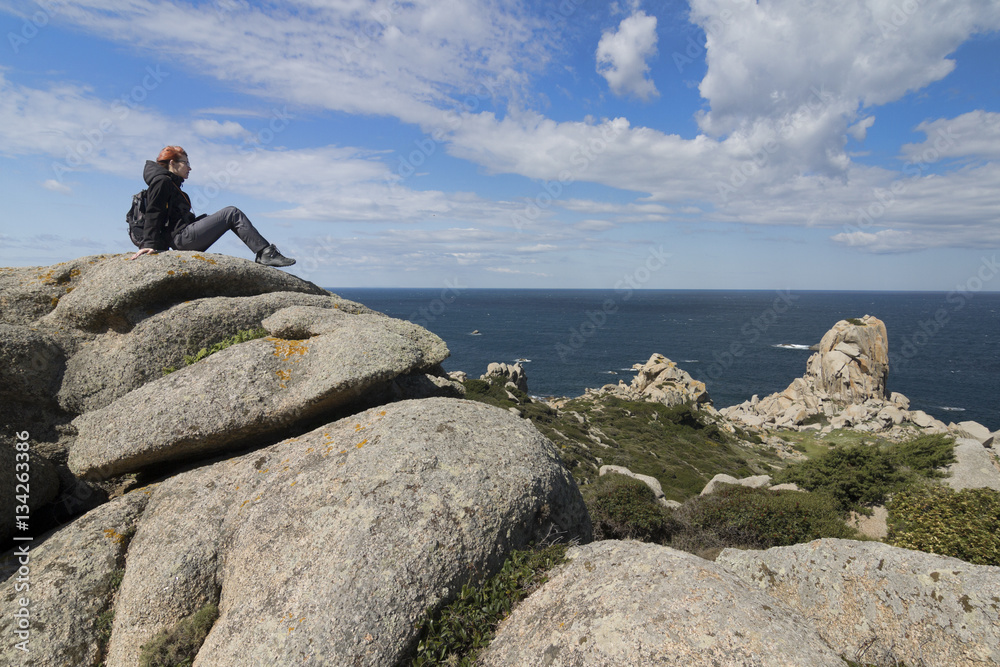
{"points": [[168, 208]]}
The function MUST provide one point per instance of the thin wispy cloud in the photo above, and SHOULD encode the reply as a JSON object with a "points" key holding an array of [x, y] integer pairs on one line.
{"points": [[478, 134]]}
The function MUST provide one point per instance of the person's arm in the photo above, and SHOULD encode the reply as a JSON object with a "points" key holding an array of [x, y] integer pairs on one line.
{"points": [[157, 199]]}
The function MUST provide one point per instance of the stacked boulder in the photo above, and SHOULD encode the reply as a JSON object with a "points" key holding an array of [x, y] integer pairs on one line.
{"points": [[507, 374], [844, 386], [294, 480], [659, 380]]}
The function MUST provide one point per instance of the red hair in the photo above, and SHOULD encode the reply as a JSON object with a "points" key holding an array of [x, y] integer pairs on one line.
{"points": [[172, 153]]}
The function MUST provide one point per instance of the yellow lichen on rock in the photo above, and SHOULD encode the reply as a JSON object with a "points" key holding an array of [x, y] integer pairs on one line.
{"points": [[114, 536]]}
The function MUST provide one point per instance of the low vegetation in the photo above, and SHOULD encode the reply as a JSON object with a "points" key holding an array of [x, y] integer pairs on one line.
{"points": [[459, 631], [858, 477], [963, 524], [178, 646], [680, 446], [237, 338], [745, 518], [623, 508], [733, 516]]}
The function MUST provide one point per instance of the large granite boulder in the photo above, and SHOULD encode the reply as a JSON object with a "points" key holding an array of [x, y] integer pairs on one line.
{"points": [[852, 363], [88, 308], [251, 391], [114, 364], [329, 547], [882, 605], [73, 575], [116, 293], [975, 467], [632, 603], [28, 293], [77, 335]]}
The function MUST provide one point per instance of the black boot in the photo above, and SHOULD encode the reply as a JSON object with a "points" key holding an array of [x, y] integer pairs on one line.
{"points": [[270, 256]]}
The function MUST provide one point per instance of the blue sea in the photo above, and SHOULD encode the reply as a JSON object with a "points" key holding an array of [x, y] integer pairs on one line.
{"points": [[944, 348]]}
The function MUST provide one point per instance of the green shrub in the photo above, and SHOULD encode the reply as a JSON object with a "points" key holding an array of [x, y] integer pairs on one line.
{"points": [[478, 387], [459, 631], [855, 476], [924, 455], [963, 524], [747, 518], [860, 476], [178, 646], [495, 392], [624, 508]]}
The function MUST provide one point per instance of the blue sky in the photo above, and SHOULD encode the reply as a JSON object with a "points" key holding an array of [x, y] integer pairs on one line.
{"points": [[716, 144]]}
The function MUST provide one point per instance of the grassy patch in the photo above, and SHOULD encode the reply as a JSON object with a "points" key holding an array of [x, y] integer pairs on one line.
{"points": [[459, 631], [178, 646], [680, 446], [814, 443], [235, 339], [963, 524]]}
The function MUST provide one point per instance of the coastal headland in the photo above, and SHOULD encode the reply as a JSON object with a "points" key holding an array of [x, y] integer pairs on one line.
{"points": [[197, 440]]}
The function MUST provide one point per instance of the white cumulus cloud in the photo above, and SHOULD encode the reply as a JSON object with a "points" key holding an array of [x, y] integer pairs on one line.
{"points": [[622, 56]]}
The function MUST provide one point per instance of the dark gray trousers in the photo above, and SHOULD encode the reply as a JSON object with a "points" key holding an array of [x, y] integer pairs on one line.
{"points": [[202, 233]]}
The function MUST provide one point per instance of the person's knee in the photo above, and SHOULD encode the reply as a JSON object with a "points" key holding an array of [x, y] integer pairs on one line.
{"points": [[233, 217]]}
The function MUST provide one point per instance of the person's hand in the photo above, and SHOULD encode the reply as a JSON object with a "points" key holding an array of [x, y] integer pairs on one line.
{"points": [[144, 251]]}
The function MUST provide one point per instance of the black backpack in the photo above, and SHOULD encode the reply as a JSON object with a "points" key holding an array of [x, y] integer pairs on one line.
{"points": [[136, 218]]}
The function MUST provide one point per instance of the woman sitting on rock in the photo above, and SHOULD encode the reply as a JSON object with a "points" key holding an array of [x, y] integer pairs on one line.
{"points": [[169, 222]]}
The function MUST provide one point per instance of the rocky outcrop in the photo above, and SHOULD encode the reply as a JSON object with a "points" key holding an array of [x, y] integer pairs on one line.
{"points": [[512, 373], [78, 335], [659, 380], [73, 575], [115, 294], [630, 603], [112, 365], [844, 386], [627, 603], [249, 392], [324, 548], [881, 605], [852, 363], [28, 293]]}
